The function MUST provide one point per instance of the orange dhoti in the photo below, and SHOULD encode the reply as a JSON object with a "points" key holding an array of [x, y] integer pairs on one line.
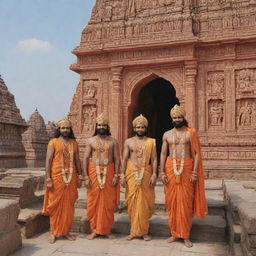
{"points": [[140, 200], [101, 203], [185, 200], [59, 203], [179, 198]]}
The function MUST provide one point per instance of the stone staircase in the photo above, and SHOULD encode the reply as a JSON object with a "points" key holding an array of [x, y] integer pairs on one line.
{"points": [[211, 229]]}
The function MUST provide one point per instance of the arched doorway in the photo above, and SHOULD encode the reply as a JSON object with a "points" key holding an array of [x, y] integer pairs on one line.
{"points": [[154, 101]]}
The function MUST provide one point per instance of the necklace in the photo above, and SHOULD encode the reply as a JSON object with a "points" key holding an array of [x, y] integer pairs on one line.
{"points": [[140, 153], [68, 155], [101, 176], [178, 172]]}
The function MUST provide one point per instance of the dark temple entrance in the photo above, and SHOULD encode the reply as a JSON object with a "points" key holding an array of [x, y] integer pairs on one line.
{"points": [[155, 101]]}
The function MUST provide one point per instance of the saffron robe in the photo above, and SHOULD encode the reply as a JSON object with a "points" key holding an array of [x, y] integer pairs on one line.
{"points": [[101, 203], [185, 200], [140, 199], [59, 203]]}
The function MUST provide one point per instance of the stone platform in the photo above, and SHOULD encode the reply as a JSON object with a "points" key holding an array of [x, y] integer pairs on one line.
{"points": [[38, 246]]}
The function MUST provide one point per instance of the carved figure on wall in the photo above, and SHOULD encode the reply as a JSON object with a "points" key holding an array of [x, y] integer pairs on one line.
{"points": [[244, 115], [246, 80], [216, 82], [216, 114], [90, 90], [89, 115]]}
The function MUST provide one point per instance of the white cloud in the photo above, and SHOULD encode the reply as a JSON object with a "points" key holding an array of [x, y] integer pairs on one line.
{"points": [[35, 45]]}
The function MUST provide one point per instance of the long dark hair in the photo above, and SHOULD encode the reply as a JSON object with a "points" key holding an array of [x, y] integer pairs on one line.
{"points": [[108, 131], [70, 136]]}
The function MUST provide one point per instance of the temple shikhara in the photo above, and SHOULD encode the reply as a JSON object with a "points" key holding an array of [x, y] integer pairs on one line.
{"points": [[145, 56]]}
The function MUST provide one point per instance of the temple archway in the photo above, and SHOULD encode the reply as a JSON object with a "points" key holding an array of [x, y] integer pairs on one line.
{"points": [[154, 100]]}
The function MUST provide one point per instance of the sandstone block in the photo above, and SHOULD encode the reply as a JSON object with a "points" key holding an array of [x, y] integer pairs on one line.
{"points": [[247, 212], [10, 241], [9, 211]]}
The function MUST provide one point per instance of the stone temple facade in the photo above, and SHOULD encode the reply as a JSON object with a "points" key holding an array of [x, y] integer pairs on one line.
{"points": [[35, 140], [144, 56], [12, 125]]}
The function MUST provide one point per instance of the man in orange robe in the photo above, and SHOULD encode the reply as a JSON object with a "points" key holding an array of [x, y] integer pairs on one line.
{"points": [[182, 173], [62, 170], [101, 168], [139, 174]]}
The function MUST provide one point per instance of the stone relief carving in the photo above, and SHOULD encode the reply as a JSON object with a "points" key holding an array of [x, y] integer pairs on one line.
{"points": [[246, 82], [216, 84], [216, 113], [88, 119], [246, 113], [90, 89]]}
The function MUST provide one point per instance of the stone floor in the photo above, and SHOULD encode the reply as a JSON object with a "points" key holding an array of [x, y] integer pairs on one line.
{"points": [[38, 246]]}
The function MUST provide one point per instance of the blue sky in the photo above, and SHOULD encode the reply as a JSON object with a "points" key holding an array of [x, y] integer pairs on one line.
{"points": [[36, 40]]}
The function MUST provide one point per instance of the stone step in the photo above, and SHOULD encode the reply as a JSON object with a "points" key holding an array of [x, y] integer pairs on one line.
{"points": [[31, 221], [214, 198], [210, 229]]}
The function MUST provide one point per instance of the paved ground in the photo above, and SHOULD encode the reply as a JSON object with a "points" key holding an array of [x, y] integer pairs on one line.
{"points": [[38, 246]]}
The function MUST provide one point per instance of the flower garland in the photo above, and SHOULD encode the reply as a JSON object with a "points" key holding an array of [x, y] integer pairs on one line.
{"points": [[178, 172], [68, 171], [138, 175], [101, 176]]}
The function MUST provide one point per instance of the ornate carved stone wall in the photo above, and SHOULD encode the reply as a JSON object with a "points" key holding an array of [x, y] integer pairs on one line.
{"points": [[35, 140], [12, 125], [205, 49]]}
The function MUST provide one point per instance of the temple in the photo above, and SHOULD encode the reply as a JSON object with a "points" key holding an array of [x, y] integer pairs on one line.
{"points": [[145, 56], [12, 125]]}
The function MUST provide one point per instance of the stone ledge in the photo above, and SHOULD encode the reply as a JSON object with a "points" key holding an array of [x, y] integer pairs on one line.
{"points": [[10, 241], [32, 221], [211, 229], [9, 211], [247, 212]]}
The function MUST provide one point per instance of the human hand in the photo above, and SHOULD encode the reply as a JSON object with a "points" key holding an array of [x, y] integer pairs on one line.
{"points": [[49, 184], [80, 181], [193, 178], [122, 180], [87, 182], [164, 178], [115, 180], [152, 181]]}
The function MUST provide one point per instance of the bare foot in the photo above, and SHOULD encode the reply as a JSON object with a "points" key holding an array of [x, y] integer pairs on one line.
{"points": [[91, 236], [188, 243], [146, 238], [171, 239], [70, 237], [52, 239], [110, 236], [129, 238]]}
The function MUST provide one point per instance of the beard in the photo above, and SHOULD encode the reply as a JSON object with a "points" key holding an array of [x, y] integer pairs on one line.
{"points": [[179, 124], [102, 131], [141, 134], [65, 134]]}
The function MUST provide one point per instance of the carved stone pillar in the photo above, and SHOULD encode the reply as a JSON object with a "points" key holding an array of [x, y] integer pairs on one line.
{"points": [[230, 98], [115, 114], [190, 98]]}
